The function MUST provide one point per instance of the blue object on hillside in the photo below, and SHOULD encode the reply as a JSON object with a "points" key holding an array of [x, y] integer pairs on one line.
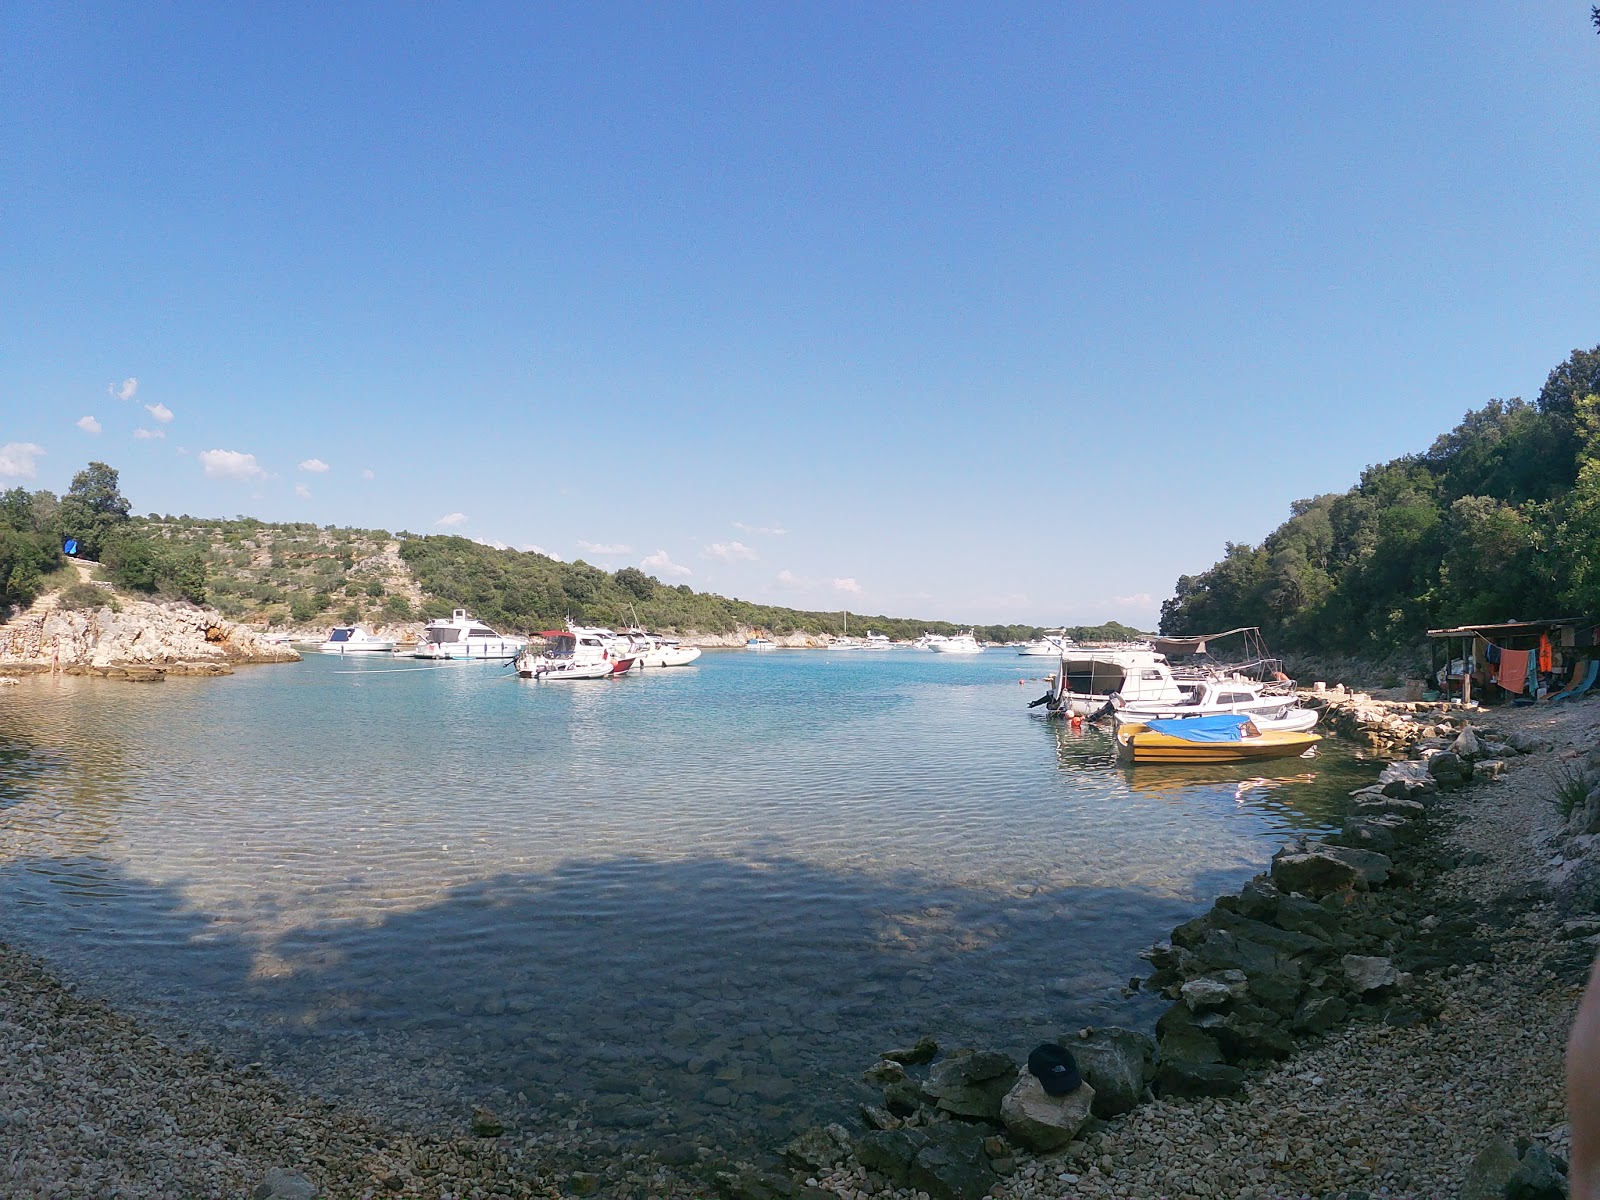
{"points": [[70, 546], [1582, 686], [1224, 728]]}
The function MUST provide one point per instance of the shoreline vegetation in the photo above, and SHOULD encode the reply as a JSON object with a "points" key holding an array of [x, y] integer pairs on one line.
{"points": [[1442, 1078]]}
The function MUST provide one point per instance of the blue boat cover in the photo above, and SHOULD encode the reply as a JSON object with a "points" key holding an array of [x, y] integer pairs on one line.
{"points": [[1224, 728]]}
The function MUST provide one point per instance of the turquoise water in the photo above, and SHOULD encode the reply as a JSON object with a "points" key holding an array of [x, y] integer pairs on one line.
{"points": [[695, 902]]}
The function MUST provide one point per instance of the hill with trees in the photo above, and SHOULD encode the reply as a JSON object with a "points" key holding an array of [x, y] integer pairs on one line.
{"points": [[1499, 519], [300, 575]]}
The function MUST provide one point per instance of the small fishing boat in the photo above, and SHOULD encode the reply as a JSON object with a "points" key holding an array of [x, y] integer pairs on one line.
{"points": [[1207, 740], [353, 639], [569, 655]]}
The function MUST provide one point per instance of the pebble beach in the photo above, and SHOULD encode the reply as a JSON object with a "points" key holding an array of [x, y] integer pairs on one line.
{"points": [[94, 1105]]}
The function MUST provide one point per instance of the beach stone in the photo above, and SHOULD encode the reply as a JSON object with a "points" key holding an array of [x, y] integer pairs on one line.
{"points": [[1449, 769], [1536, 1178], [1258, 899], [890, 1152], [971, 1083], [1118, 1064], [1491, 1169], [924, 1051], [1041, 1122], [1181, 1040], [1489, 768], [1392, 806], [1313, 872], [280, 1183], [1307, 917], [1524, 742], [1369, 973], [485, 1124], [1194, 1079], [1319, 1014], [1364, 833], [1253, 1034], [1203, 993], [818, 1148], [952, 1166], [1467, 744]]}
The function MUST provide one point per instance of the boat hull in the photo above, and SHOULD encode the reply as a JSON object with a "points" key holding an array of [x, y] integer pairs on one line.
{"points": [[555, 671], [1137, 743], [356, 648]]}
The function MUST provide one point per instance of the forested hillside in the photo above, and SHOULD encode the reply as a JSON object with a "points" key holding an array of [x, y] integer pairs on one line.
{"points": [[304, 575], [1499, 519]]}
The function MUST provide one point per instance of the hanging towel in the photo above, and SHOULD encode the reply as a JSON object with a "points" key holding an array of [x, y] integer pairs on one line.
{"points": [[1544, 652], [1514, 671]]}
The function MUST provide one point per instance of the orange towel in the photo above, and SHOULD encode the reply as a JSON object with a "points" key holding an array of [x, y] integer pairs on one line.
{"points": [[1514, 671], [1544, 652]]}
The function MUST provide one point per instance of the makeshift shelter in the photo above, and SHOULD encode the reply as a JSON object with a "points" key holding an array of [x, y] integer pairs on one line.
{"points": [[1511, 660]]}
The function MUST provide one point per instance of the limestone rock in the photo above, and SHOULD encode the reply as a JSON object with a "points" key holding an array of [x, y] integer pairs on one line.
{"points": [[971, 1083], [1118, 1064], [282, 1184], [1042, 1122], [144, 634], [924, 1051], [1489, 1173], [953, 1165], [818, 1148], [1367, 973], [485, 1124], [1466, 744], [1191, 1079], [1205, 992], [1319, 1014]]}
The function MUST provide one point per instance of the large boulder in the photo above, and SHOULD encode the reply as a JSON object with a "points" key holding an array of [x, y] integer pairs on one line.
{"points": [[1320, 869], [971, 1083], [818, 1148], [1181, 1040], [1467, 744], [1449, 769], [1118, 1064], [1368, 973], [1041, 1122], [947, 1161], [1192, 1079]]}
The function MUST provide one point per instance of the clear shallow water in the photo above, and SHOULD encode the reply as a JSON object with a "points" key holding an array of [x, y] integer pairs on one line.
{"points": [[694, 902]]}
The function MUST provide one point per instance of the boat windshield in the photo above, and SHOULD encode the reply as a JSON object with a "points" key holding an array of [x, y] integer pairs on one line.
{"points": [[444, 635], [479, 631], [339, 635]]}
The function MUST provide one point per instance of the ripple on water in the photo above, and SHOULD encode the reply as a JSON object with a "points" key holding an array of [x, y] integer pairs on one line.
{"points": [[742, 879]]}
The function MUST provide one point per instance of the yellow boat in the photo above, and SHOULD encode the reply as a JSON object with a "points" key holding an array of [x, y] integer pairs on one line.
{"points": [[1219, 739]]}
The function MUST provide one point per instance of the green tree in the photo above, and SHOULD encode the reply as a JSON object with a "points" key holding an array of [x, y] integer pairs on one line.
{"points": [[93, 508]]}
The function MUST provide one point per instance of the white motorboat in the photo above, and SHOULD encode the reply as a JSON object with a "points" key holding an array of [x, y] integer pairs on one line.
{"points": [[464, 637], [878, 641], [961, 643], [1210, 698], [656, 650], [760, 643], [1089, 678], [1053, 644], [571, 655], [844, 643], [353, 639]]}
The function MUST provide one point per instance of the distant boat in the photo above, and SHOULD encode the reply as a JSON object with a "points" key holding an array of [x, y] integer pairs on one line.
{"points": [[760, 643], [353, 639], [464, 637], [961, 643], [878, 641], [1053, 644], [579, 654]]}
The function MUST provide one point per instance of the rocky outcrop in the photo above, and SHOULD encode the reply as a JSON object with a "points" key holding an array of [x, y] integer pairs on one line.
{"points": [[136, 639]]}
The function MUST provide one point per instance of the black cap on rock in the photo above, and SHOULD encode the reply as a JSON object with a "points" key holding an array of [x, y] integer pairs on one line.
{"points": [[1055, 1068]]}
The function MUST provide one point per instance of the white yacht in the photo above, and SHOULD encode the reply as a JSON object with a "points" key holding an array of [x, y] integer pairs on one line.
{"points": [[571, 654], [929, 641], [1053, 644], [760, 643], [353, 639], [878, 641], [641, 647], [1088, 678], [464, 637], [961, 643]]}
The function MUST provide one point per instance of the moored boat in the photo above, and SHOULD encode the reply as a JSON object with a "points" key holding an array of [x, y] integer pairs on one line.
{"points": [[571, 655], [1053, 644], [1207, 740], [354, 639], [760, 643], [463, 636], [961, 643], [1210, 698]]}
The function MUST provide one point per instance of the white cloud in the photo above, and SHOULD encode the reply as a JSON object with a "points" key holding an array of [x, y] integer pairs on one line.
{"points": [[315, 465], [604, 548], [730, 552], [159, 411], [492, 543], [229, 464], [530, 548], [88, 425], [16, 460], [1137, 600], [764, 530], [451, 520], [367, 474], [145, 435], [659, 561], [126, 390], [302, 491], [846, 585]]}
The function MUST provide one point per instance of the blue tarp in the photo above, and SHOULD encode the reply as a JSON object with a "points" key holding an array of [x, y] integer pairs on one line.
{"points": [[1202, 729]]}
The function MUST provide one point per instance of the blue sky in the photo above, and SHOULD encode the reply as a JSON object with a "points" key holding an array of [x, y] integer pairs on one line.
{"points": [[1004, 313]]}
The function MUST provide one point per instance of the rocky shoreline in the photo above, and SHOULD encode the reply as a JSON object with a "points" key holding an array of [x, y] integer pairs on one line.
{"points": [[1452, 921], [137, 640]]}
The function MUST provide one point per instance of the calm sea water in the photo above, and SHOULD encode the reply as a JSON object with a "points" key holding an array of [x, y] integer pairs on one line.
{"points": [[691, 903]]}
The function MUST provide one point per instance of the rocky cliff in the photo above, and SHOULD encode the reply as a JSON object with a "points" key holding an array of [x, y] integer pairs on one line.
{"points": [[136, 633]]}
